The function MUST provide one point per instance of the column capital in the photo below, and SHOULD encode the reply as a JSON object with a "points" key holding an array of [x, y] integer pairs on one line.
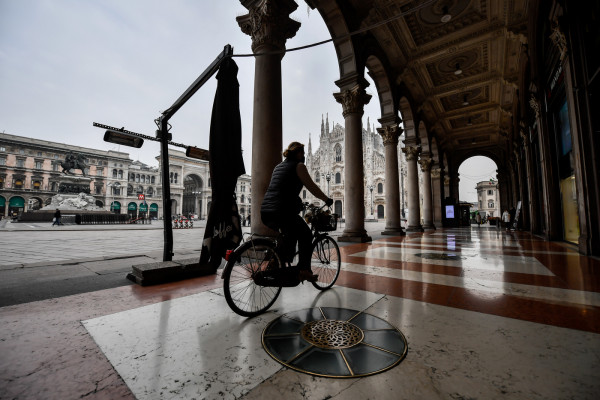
{"points": [[353, 100], [268, 23], [390, 134], [436, 173], [425, 163], [446, 180], [411, 152]]}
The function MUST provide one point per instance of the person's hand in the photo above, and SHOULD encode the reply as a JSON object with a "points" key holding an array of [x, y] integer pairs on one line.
{"points": [[329, 202]]}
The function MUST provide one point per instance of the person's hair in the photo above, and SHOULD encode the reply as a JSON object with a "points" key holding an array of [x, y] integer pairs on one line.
{"points": [[293, 149]]}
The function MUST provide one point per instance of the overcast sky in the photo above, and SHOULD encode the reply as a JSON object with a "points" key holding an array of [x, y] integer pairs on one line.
{"points": [[67, 63]]}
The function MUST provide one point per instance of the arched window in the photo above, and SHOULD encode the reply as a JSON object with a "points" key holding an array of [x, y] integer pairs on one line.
{"points": [[243, 198], [140, 190], [137, 178], [131, 177], [317, 176], [147, 178], [115, 173], [491, 204], [153, 180], [380, 187], [338, 153], [120, 174], [129, 190], [338, 177], [150, 192]]}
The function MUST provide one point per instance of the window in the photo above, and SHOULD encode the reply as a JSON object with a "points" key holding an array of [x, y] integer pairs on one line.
{"points": [[490, 192], [39, 153], [99, 171], [2, 148], [129, 190], [304, 194], [140, 190], [120, 174], [243, 198], [56, 156], [480, 204], [98, 189], [18, 184], [149, 192], [491, 204], [380, 187], [20, 163], [2, 160], [153, 180], [37, 185], [208, 182], [39, 164], [338, 153], [317, 176], [137, 178], [338, 177], [21, 151], [115, 173], [54, 166], [1, 183]]}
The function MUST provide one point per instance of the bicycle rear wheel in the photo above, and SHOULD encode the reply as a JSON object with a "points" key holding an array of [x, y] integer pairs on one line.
{"points": [[243, 294], [326, 262]]}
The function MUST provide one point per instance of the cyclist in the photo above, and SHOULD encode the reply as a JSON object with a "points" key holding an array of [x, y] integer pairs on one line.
{"points": [[282, 204]]}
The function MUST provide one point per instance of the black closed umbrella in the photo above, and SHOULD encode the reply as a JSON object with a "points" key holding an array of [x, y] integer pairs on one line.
{"points": [[223, 230]]}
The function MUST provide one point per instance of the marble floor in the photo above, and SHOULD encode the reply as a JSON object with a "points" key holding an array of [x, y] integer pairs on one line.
{"points": [[487, 314]]}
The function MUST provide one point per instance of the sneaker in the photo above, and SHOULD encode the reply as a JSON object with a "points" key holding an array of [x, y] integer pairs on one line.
{"points": [[307, 275]]}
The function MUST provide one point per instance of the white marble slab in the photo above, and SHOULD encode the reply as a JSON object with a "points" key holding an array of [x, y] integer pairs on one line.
{"points": [[469, 259], [458, 354], [196, 347]]}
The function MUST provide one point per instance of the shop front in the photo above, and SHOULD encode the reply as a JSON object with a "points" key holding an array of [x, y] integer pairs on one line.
{"points": [[132, 210], [16, 205], [143, 210], [115, 207], [154, 210]]}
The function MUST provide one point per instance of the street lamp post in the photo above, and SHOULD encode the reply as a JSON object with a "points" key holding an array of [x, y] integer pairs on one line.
{"points": [[327, 177], [371, 190]]}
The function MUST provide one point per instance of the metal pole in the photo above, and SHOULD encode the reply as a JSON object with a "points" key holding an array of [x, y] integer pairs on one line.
{"points": [[166, 187]]}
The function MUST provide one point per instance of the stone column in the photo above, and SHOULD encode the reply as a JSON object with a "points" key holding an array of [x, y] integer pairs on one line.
{"points": [[446, 186], [425, 163], [353, 101], [390, 136], [436, 196], [269, 25], [414, 214]]}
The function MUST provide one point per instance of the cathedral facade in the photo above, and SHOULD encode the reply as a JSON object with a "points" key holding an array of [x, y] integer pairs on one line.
{"points": [[326, 166]]}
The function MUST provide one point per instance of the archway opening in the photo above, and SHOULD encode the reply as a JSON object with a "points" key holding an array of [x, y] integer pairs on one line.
{"points": [[192, 192], [478, 186]]}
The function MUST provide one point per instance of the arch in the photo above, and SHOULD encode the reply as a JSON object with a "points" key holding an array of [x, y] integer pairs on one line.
{"points": [[376, 65], [192, 192], [423, 139], [154, 210], [99, 203], [379, 188], [338, 178], [380, 211], [132, 209], [408, 121]]}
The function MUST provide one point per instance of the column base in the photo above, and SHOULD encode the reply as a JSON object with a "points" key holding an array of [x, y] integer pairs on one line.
{"points": [[429, 227], [354, 237], [394, 232], [414, 228]]}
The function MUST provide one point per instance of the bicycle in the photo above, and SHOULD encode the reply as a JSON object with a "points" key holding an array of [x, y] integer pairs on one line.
{"points": [[258, 269]]}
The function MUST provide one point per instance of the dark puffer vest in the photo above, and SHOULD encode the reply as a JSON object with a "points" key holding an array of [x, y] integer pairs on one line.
{"points": [[283, 194]]}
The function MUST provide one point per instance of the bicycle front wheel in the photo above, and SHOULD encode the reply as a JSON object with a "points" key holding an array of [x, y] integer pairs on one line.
{"points": [[243, 294], [326, 262]]}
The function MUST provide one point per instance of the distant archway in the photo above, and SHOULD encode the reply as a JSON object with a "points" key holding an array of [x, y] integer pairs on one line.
{"points": [[478, 185]]}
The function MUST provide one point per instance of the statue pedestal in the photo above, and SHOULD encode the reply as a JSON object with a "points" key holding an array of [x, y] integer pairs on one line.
{"points": [[73, 184]]}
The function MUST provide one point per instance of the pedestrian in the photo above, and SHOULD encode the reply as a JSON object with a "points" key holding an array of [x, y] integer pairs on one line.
{"points": [[506, 219], [56, 218], [478, 219]]}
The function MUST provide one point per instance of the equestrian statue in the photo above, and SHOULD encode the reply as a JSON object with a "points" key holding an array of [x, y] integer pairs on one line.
{"points": [[72, 162]]}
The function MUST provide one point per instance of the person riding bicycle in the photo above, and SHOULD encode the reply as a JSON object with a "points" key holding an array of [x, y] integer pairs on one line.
{"points": [[282, 204]]}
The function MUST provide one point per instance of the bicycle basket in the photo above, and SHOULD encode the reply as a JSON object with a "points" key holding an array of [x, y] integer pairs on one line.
{"points": [[324, 221]]}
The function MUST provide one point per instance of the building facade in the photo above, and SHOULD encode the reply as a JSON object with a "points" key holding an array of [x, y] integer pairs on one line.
{"points": [[488, 198], [326, 166], [30, 171]]}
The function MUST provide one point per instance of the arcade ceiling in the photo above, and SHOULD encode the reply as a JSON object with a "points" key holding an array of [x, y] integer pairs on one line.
{"points": [[459, 62]]}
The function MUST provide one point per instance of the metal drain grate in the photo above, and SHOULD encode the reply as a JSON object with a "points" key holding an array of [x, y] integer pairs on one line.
{"points": [[334, 342]]}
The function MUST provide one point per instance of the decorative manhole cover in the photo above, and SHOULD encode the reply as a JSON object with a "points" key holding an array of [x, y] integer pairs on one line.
{"points": [[440, 256], [334, 342]]}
